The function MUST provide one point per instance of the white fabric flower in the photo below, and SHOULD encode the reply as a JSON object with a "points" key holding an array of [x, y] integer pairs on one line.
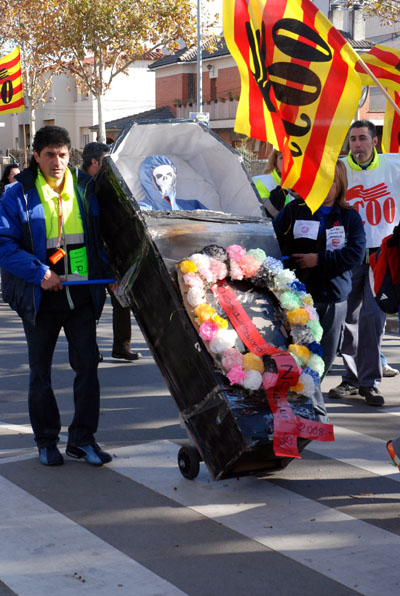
{"points": [[223, 340], [196, 296], [308, 384], [252, 380]]}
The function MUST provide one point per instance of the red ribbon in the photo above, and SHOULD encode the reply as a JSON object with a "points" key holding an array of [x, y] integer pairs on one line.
{"points": [[287, 426]]}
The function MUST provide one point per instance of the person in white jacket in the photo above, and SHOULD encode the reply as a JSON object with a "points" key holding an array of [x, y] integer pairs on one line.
{"points": [[374, 190]]}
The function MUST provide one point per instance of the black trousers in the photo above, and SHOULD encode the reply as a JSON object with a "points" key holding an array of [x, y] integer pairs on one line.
{"points": [[122, 326], [80, 329]]}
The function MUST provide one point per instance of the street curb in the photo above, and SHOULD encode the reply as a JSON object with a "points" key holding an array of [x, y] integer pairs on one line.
{"points": [[392, 324]]}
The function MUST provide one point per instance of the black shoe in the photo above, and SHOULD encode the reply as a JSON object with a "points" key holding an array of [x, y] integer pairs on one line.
{"points": [[372, 396], [100, 357], [343, 390], [126, 355], [93, 454], [50, 456]]}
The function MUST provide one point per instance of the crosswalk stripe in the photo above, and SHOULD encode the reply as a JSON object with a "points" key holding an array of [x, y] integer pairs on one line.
{"points": [[57, 556], [337, 545], [357, 449]]}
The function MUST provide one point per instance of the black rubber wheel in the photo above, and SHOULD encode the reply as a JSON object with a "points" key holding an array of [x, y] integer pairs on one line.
{"points": [[189, 462]]}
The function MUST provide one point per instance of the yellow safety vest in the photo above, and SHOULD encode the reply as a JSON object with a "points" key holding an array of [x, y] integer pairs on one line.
{"points": [[64, 228]]}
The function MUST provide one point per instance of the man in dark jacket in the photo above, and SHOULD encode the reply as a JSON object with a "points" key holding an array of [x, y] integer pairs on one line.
{"points": [[92, 155], [49, 236]]}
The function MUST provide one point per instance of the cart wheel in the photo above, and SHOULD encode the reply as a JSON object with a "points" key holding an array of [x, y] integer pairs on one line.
{"points": [[189, 462]]}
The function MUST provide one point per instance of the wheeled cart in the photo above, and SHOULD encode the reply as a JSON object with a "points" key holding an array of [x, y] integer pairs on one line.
{"points": [[230, 428]]}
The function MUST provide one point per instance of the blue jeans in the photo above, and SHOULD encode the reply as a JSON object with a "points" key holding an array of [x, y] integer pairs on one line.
{"points": [[332, 316], [80, 330]]}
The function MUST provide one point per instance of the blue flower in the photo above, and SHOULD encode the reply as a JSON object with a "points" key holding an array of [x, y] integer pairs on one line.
{"points": [[315, 348]]}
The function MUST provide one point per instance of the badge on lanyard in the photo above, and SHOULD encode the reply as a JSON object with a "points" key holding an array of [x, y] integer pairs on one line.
{"points": [[59, 253]]}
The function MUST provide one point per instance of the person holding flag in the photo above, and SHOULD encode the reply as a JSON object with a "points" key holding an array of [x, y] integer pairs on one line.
{"points": [[322, 248], [374, 191]]}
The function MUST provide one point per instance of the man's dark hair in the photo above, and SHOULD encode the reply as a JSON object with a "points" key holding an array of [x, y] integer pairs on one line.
{"points": [[93, 151], [51, 136], [365, 124]]}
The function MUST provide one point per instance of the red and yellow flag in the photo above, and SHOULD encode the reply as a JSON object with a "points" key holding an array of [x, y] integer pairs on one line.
{"points": [[299, 89], [391, 125], [11, 92], [384, 63]]}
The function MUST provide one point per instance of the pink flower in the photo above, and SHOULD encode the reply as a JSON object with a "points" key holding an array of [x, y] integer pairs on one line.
{"points": [[193, 280], [206, 272], [207, 330], [231, 358], [236, 375], [249, 265], [235, 252], [312, 313], [269, 379], [218, 269], [236, 272]]}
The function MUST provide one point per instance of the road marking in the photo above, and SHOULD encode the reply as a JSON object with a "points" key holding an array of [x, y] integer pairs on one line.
{"points": [[57, 556], [335, 544], [357, 449], [16, 428]]}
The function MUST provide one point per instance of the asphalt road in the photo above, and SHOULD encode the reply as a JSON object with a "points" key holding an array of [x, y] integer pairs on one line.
{"points": [[327, 524]]}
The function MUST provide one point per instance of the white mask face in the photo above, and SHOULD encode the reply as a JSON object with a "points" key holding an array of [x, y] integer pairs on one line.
{"points": [[164, 178]]}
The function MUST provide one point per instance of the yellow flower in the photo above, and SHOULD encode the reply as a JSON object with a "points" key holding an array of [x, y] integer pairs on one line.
{"points": [[301, 352], [203, 312], [253, 362], [307, 300], [298, 316], [188, 267], [220, 322], [297, 388]]}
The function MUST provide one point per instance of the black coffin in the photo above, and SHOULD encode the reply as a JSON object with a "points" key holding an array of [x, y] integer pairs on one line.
{"points": [[231, 431]]}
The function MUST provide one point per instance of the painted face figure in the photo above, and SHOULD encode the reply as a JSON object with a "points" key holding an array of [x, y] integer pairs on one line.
{"points": [[164, 178]]}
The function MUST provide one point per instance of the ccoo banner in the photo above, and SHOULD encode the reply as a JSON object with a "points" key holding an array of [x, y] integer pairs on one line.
{"points": [[11, 92]]}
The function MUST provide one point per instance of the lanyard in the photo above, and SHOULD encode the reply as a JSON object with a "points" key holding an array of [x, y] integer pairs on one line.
{"points": [[60, 220]]}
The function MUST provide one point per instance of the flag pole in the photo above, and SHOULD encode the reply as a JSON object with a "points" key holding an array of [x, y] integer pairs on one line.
{"points": [[378, 84], [24, 135]]}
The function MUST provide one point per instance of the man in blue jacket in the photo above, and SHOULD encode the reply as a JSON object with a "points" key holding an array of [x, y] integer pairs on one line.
{"points": [[49, 234]]}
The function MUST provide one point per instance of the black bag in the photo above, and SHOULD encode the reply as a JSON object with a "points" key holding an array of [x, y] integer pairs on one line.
{"points": [[385, 273]]}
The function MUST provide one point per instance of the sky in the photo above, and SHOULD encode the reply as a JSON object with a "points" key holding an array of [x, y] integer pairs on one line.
{"points": [[216, 7]]}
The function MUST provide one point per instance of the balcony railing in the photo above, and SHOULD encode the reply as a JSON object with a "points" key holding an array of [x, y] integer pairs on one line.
{"points": [[218, 111]]}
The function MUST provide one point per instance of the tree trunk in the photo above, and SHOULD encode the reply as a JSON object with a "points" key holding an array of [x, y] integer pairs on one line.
{"points": [[32, 124], [101, 135]]}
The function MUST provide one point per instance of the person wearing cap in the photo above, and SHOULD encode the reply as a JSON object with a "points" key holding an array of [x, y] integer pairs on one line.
{"points": [[92, 155]]}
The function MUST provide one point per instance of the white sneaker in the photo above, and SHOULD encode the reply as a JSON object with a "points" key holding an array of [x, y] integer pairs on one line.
{"points": [[389, 371]]}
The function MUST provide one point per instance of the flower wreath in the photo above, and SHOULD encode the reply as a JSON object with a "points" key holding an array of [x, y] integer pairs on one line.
{"points": [[242, 367]]}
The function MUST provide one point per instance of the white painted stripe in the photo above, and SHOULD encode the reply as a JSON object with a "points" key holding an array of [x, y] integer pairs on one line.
{"points": [[352, 552], [44, 552], [357, 449], [16, 428], [23, 429]]}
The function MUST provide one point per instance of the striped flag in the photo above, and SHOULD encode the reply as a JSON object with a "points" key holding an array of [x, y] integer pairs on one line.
{"points": [[11, 92], [299, 88], [391, 125], [384, 63]]}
